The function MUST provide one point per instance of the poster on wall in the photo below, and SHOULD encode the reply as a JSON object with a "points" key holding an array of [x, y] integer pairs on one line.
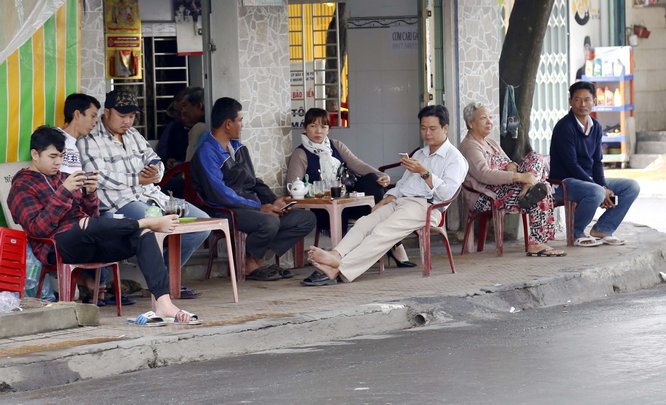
{"points": [[122, 24], [189, 33]]}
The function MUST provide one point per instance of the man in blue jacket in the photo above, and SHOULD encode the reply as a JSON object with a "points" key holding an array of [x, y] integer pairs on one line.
{"points": [[223, 174], [575, 158]]}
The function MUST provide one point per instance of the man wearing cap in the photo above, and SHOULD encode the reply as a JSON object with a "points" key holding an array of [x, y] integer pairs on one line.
{"points": [[128, 167]]}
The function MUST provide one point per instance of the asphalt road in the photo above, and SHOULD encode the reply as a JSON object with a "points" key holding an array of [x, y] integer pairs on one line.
{"points": [[607, 352]]}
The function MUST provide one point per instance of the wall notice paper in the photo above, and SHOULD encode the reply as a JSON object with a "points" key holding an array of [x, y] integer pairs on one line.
{"points": [[189, 38], [122, 25]]}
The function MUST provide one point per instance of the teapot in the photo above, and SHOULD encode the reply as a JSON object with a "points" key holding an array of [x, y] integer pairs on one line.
{"points": [[298, 189]]}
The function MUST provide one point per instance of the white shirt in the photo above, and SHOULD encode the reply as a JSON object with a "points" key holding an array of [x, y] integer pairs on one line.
{"points": [[447, 167], [590, 123], [71, 161]]}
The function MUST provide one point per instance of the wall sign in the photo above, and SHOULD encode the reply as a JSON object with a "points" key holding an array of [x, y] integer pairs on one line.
{"points": [[122, 23]]}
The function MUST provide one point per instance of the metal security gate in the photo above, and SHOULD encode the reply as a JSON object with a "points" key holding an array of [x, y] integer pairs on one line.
{"points": [[552, 82]]}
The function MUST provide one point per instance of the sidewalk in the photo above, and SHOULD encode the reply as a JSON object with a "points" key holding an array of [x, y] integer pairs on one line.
{"points": [[280, 314]]}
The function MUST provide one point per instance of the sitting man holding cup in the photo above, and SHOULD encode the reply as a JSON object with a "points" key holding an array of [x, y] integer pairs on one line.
{"points": [[223, 174]]}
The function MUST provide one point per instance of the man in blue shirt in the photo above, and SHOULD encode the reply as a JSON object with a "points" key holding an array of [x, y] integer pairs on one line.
{"points": [[575, 159], [223, 174]]}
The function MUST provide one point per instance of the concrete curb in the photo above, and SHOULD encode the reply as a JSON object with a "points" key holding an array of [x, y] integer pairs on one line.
{"points": [[57, 316], [571, 286]]}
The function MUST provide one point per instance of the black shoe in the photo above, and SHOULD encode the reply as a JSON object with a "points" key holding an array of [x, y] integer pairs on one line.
{"points": [[186, 293], [398, 263], [317, 278]]}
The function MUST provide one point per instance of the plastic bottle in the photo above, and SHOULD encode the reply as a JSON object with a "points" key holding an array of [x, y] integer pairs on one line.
{"points": [[617, 98], [9, 301], [609, 96]]}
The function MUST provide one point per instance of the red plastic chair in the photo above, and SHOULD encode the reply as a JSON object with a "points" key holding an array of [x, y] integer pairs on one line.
{"points": [[68, 274], [424, 238], [497, 215], [569, 210]]}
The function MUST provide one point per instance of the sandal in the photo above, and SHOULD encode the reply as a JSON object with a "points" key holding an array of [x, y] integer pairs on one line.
{"points": [[532, 197], [192, 319], [612, 240], [148, 319], [587, 241], [548, 252], [265, 273]]}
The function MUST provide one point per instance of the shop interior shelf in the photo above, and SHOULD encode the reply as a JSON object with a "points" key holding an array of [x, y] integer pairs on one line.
{"points": [[613, 138], [607, 78], [613, 108], [618, 157]]}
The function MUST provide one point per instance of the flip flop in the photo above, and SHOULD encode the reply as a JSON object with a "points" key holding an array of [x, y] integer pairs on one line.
{"points": [[612, 240], [547, 253], [148, 319], [193, 319], [284, 273], [587, 241], [265, 273], [188, 293]]}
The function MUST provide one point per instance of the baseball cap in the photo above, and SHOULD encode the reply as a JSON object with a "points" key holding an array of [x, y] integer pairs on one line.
{"points": [[123, 101]]}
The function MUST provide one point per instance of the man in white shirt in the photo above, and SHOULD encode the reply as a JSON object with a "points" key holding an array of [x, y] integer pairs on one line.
{"points": [[80, 118], [433, 174]]}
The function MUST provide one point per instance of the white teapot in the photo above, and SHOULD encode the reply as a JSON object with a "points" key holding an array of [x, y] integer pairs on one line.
{"points": [[298, 189]]}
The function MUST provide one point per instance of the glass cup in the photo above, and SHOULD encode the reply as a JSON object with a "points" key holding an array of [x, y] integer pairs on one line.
{"points": [[318, 187]]}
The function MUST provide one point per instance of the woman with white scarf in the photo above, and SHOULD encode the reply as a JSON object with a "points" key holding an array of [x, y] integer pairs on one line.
{"points": [[320, 158]]}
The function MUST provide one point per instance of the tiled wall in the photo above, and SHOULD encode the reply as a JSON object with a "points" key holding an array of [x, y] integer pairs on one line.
{"points": [[480, 45], [263, 35], [92, 49], [649, 72]]}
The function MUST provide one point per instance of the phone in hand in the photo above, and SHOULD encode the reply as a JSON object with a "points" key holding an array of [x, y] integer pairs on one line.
{"points": [[288, 206], [88, 174], [615, 200], [154, 162], [403, 155]]}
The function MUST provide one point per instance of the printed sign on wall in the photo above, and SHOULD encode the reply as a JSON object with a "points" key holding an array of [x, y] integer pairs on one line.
{"points": [[122, 24]]}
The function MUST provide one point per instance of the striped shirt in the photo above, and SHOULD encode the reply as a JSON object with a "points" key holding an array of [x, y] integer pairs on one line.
{"points": [[119, 165]]}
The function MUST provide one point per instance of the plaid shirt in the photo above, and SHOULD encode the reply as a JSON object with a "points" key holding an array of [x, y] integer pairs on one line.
{"points": [[44, 207], [119, 165]]}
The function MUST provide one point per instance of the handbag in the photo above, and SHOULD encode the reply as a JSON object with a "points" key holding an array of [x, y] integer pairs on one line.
{"points": [[347, 176]]}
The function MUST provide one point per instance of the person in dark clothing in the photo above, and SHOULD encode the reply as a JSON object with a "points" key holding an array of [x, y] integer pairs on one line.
{"points": [[223, 174], [576, 160], [50, 204]]}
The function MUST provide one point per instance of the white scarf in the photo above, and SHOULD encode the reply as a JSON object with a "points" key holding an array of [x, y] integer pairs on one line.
{"points": [[328, 165]]}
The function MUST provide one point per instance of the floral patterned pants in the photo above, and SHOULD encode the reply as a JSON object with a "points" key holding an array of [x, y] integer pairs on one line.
{"points": [[542, 221]]}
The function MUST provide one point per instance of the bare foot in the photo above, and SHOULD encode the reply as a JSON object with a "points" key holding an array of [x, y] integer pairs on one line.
{"points": [[164, 307], [322, 256], [545, 250], [165, 224], [251, 264], [598, 235], [330, 272]]}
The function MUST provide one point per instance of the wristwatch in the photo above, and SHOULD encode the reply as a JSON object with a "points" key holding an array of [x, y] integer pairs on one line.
{"points": [[425, 175]]}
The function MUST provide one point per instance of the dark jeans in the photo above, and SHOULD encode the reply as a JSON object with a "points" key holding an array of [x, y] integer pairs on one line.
{"points": [[112, 240], [265, 231]]}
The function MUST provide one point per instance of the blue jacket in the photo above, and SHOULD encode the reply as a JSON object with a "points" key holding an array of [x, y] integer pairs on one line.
{"points": [[575, 155], [225, 182]]}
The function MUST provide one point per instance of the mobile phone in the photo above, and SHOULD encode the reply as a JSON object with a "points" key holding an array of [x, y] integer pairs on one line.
{"points": [[154, 162], [615, 199], [88, 174], [288, 206], [403, 155]]}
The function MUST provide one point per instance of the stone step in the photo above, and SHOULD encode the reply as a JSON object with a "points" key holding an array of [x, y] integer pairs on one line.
{"points": [[641, 161], [650, 147], [649, 136]]}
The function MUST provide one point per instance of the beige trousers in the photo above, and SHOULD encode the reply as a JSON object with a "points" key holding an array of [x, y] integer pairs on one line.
{"points": [[373, 235]]}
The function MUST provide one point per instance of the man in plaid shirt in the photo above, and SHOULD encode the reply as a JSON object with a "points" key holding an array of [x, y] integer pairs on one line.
{"points": [[50, 204], [128, 167]]}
